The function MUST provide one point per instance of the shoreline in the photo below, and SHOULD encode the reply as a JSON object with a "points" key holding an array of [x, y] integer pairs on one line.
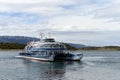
{"points": [[11, 49], [97, 50], [69, 50], [16, 46]]}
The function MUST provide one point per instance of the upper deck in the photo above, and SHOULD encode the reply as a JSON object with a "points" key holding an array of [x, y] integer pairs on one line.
{"points": [[45, 44], [49, 40]]}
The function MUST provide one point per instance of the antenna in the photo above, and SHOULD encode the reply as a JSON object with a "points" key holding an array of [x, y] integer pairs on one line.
{"points": [[49, 34], [41, 36]]}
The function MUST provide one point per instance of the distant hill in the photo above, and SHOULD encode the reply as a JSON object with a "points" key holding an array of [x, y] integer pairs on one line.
{"points": [[17, 39], [101, 48], [25, 40], [77, 45], [18, 42], [11, 46]]}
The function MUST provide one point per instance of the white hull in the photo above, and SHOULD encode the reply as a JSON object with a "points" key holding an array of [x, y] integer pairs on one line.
{"points": [[34, 58], [51, 58]]}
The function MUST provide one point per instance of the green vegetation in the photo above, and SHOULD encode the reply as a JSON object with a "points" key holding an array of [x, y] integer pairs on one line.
{"points": [[21, 46], [101, 48], [70, 47], [11, 46]]}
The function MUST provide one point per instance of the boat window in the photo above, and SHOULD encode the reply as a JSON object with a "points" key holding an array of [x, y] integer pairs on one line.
{"points": [[45, 46], [49, 40]]}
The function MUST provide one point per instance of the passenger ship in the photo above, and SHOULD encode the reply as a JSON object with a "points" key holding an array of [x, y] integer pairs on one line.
{"points": [[47, 49]]}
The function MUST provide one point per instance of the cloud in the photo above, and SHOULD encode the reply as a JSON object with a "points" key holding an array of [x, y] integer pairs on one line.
{"points": [[65, 18], [51, 7], [94, 38], [82, 23], [103, 12]]}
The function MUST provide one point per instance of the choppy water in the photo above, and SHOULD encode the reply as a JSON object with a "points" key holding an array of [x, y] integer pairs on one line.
{"points": [[96, 65]]}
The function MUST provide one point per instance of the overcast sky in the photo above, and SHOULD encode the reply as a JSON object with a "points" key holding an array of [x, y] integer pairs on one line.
{"points": [[90, 22]]}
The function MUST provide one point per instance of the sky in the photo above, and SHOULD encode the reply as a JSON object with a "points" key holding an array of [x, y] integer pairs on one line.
{"points": [[89, 22]]}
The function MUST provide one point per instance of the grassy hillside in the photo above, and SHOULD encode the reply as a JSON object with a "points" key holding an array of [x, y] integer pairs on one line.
{"points": [[11, 46], [69, 47], [21, 46], [25, 40], [101, 48]]}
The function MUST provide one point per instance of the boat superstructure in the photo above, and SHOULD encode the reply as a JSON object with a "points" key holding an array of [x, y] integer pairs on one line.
{"points": [[48, 49]]}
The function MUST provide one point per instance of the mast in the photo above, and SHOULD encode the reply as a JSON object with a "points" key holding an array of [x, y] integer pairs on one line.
{"points": [[41, 36], [49, 35]]}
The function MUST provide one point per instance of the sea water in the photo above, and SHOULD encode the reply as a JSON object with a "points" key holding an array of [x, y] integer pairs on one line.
{"points": [[95, 65]]}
